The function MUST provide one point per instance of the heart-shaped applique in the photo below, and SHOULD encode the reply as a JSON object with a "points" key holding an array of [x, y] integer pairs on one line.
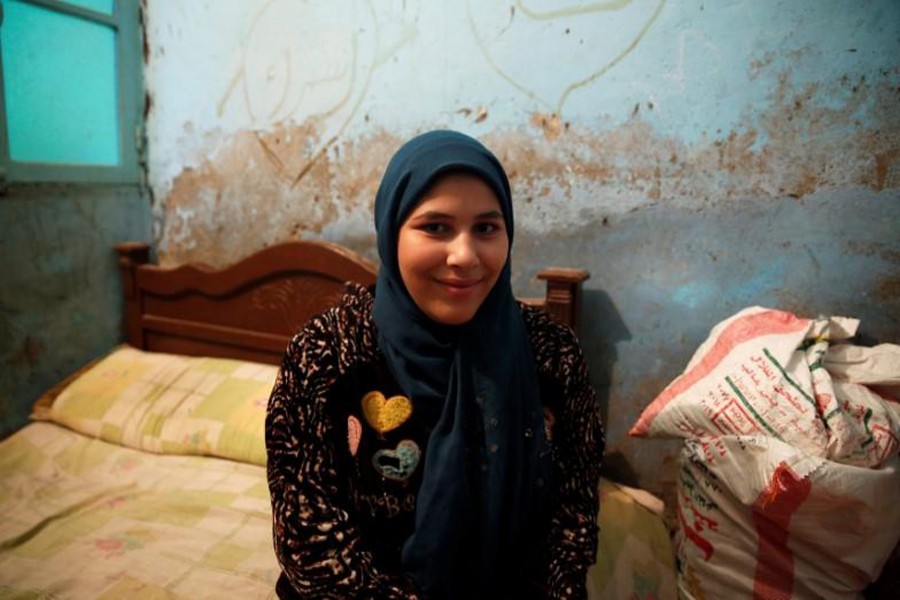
{"points": [[354, 434], [385, 414], [398, 464]]}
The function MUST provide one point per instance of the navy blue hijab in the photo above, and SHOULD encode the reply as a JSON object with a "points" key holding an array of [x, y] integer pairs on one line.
{"points": [[484, 471]]}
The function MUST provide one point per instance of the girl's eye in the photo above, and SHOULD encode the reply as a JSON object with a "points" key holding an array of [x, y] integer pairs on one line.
{"points": [[487, 228], [434, 228]]}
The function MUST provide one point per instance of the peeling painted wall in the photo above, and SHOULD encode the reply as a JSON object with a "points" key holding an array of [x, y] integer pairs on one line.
{"points": [[697, 157]]}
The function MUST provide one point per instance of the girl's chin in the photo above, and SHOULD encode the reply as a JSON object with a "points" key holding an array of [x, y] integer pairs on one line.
{"points": [[453, 314]]}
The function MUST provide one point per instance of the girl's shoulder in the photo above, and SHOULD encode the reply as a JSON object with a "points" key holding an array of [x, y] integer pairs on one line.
{"points": [[345, 330], [553, 343], [352, 310]]}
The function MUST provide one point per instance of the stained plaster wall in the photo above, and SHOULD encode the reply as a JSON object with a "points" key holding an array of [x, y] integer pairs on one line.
{"points": [[60, 297], [696, 157]]}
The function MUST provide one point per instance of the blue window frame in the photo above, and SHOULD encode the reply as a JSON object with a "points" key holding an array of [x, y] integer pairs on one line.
{"points": [[70, 91]]}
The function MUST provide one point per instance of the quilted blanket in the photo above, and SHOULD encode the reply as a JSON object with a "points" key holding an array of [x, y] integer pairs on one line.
{"points": [[83, 518]]}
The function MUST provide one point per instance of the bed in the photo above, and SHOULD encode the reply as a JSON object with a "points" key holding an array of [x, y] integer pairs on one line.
{"points": [[142, 475]]}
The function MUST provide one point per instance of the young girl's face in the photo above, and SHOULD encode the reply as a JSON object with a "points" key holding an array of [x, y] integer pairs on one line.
{"points": [[452, 248]]}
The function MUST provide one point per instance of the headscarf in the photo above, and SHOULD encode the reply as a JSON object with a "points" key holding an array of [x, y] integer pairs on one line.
{"points": [[484, 471]]}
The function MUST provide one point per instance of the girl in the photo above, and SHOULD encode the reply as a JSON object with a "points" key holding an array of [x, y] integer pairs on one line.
{"points": [[432, 437]]}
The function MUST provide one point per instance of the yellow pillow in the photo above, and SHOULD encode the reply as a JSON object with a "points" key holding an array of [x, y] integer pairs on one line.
{"points": [[635, 555], [171, 404]]}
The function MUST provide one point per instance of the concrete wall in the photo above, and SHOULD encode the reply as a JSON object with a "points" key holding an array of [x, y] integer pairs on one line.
{"points": [[60, 297], [697, 157]]}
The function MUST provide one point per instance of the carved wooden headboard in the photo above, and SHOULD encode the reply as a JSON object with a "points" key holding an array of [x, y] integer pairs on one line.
{"points": [[252, 309]]}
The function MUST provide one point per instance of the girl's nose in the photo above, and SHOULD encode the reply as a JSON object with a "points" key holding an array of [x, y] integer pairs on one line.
{"points": [[462, 252]]}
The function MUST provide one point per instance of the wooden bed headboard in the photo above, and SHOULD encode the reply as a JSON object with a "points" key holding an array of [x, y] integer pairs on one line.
{"points": [[252, 309]]}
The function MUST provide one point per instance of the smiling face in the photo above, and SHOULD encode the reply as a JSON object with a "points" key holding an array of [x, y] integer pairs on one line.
{"points": [[452, 248]]}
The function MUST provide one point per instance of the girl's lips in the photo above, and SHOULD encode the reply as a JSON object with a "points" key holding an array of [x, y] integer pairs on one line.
{"points": [[459, 286], [459, 283]]}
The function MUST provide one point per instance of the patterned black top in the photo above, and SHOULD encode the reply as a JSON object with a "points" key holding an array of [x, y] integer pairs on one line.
{"points": [[345, 450]]}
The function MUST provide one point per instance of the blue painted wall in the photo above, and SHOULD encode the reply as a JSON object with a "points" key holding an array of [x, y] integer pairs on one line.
{"points": [[697, 157], [668, 274], [60, 297]]}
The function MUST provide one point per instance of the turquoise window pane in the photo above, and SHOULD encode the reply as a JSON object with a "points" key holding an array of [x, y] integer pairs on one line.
{"points": [[103, 6], [59, 77]]}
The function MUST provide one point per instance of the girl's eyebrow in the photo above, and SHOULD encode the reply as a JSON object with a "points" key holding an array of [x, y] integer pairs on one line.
{"points": [[436, 215], [430, 215]]}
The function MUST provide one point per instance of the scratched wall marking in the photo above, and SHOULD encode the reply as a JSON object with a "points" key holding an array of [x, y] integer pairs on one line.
{"points": [[591, 39], [304, 59]]}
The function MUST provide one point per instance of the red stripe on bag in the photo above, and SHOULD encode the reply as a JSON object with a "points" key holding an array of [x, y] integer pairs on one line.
{"points": [[694, 536], [772, 512], [770, 322]]}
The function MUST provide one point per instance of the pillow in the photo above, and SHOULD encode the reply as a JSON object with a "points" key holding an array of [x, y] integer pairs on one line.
{"points": [[635, 555], [40, 410], [171, 404]]}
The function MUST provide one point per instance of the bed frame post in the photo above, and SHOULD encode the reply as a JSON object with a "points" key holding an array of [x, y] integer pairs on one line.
{"points": [[131, 256], [563, 297]]}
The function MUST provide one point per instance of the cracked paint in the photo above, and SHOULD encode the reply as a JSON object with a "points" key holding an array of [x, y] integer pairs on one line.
{"points": [[707, 157], [560, 176]]}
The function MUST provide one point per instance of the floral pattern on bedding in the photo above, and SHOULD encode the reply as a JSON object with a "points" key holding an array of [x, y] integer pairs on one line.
{"points": [[88, 519], [148, 519]]}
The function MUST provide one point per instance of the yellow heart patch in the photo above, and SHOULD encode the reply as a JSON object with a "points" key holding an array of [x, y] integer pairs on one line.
{"points": [[386, 414]]}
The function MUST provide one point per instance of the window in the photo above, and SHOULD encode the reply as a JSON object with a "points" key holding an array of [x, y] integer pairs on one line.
{"points": [[70, 90]]}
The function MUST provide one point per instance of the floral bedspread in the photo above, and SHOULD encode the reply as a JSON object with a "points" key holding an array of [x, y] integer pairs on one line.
{"points": [[83, 518]]}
